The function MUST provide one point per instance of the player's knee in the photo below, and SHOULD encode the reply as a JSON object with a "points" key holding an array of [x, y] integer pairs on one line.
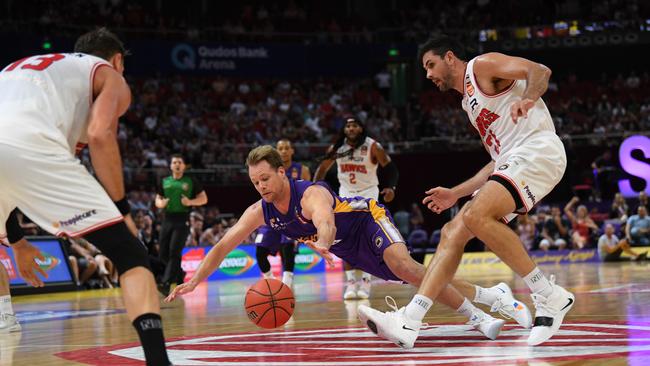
{"points": [[121, 247], [473, 217], [454, 233]]}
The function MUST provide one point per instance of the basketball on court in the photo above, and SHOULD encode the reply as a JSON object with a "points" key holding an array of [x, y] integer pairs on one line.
{"points": [[269, 303]]}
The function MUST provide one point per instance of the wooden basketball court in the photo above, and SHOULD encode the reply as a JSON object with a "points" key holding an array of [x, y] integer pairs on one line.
{"points": [[609, 325]]}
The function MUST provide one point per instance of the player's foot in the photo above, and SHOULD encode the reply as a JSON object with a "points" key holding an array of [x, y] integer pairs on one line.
{"points": [[393, 325], [364, 289], [9, 323], [642, 257], [486, 324], [549, 313], [509, 307], [350, 291]]}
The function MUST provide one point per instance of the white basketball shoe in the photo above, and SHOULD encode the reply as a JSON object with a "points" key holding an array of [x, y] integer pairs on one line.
{"points": [[486, 324], [549, 313], [509, 307], [393, 325], [350, 291], [9, 323], [363, 291]]}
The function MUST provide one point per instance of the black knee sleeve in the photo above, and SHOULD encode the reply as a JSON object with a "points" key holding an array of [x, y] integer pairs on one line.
{"points": [[261, 254], [120, 246], [288, 257]]}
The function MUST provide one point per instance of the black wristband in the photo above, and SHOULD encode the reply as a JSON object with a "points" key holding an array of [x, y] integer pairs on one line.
{"points": [[123, 206]]}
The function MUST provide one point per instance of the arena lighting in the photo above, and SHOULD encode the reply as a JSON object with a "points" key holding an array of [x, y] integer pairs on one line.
{"points": [[393, 52], [632, 166], [47, 45]]}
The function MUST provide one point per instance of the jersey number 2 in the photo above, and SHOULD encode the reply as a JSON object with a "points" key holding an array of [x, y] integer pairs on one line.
{"points": [[353, 178], [40, 63]]}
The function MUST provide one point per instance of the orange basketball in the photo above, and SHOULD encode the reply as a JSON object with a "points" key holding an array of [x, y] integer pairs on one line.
{"points": [[269, 303]]}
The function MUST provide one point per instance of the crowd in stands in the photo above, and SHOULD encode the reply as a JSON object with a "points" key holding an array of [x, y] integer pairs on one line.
{"points": [[334, 21], [213, 122]]}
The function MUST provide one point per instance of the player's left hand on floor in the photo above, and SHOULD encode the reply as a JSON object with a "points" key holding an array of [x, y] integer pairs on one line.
{"points": [[181, 289]]}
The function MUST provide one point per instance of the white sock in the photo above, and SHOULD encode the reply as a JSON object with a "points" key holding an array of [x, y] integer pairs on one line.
{"points": [[268, 274], [418, 307], [467, 309], [538, 283], [366, 276], [350, 275], [287, 278], [484, 296], [5, 304]]}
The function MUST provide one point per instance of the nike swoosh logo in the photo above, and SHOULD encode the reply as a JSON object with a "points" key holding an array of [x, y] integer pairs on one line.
{"points": [[337, 241], [567, 305], [407, 328]]}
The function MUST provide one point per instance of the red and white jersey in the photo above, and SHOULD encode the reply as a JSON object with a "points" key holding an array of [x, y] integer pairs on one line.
{"points": [[357, 172], [45, 101], [490, 115]]}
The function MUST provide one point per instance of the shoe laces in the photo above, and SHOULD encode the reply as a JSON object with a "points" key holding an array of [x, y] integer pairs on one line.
{"points": [[541, 302], [391, 303], [505, 309]]}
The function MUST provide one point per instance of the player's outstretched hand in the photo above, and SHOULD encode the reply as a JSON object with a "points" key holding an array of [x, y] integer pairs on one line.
{"points": [[25, 254], [388, 194], [439, 199], [181, 289], [323, 252], [520, 108]]}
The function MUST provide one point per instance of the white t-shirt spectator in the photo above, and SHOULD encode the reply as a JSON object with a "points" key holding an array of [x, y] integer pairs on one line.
{"points": [[605, 242]]}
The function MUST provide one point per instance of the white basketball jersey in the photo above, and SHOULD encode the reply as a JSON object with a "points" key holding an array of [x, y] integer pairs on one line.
{"points": [[357, 172], [490, 115], [45, 101]]}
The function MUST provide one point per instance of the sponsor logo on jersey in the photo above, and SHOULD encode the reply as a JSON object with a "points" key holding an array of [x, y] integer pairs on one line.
{"points": [[530, 195], [504, 167], [236, 263], [75, 219], [276, 224], [364, 150], [454, 345], [468, 86], [379, 241]]}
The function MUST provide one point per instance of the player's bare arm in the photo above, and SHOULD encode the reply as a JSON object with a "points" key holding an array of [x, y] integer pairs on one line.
{"points": [[380, 155], [112, 99], [317, 205], [440, 198], [324, 167], [495, 71], [250, 220]]}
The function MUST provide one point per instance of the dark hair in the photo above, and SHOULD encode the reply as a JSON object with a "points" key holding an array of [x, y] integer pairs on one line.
{"points": [[177, 156], [340, 140], [101, 43], [440, 44]]}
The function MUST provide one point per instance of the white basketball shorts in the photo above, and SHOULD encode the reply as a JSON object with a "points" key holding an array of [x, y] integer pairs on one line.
{"points": [[531, 170], [370, 192], [55, 191]]}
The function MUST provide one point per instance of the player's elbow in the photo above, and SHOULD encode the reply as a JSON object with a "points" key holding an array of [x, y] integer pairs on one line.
{"points": [[98, 137], [545, 70]]}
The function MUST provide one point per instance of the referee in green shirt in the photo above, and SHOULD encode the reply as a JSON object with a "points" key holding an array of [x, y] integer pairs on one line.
{"points": [[177, 194]]}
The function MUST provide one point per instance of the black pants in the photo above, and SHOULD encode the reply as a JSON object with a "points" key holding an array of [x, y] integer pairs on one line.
{"points": [[173, 235], [288, 258]]}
